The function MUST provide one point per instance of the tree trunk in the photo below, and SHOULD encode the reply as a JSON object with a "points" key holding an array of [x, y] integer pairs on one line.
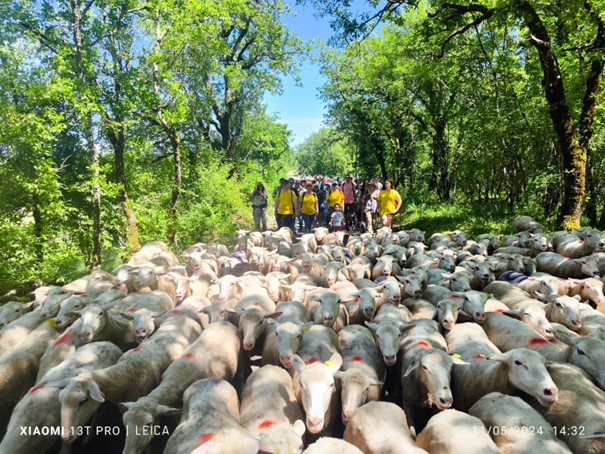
{"points": [[118, 142], [440, 160], [572, 153], [95, 259]]}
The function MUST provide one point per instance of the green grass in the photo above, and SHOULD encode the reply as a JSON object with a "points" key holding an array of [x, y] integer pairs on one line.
{"points": [[444, 217]]}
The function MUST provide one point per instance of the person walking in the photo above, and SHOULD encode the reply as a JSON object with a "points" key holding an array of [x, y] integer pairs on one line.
{"points": [[309, 207], [321, 201], [337, 219], [348, 190], [259, 197], [389, 203], [369, 202], [286, 205]]}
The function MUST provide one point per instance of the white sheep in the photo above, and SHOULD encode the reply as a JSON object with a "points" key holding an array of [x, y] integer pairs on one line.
{"points": [[316, 389], [61, 349], [147, 252], [331, 445], [388, 328], [101, 324], [19, 366], [17, 331], [578, 414], [137, 372], [519, 368], [40, 406], [454, 432], [572, 246], [12, 310], [558, 265], [363, 369], [380, 427], [269, 410], [470, 341], [148, 277], [516, 427]]}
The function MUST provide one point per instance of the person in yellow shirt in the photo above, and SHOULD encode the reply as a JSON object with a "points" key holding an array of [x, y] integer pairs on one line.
{"points": [[335, 197], [308, 207], [286, 205], [389, 203]]}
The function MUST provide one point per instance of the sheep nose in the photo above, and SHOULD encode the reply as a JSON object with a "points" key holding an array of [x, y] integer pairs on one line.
{"points": [[550, 391], [389, 359], [446, 401]]}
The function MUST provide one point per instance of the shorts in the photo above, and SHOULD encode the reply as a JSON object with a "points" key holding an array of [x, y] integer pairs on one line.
{"points": [[337, 228]]}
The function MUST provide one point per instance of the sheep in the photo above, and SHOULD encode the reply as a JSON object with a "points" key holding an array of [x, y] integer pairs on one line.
{"points": [[195, 363], [454, 432], [329, 312], [385, 266], [40, 406], [216, 397], [526, 223], [282, 341], [534, 286], [69, 310], [17, 331], [589, 289], [61, 349], [12, 310], [269, 410], [101, 324], [516, 427], [388, 328], [558, 265], [425, 371], [569, 245], [252, 325], [469, 341], [578, 414], [147, 252], [419, 308], [331, 445], [92, 282], [148, 277], [584, 352], [362, 306], [18, 368], [593, 321], [136, 373], [315, 388], [380, 427], [363, 369], [519, 368]]}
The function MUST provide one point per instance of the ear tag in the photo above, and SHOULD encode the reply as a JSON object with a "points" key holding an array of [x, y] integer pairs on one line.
{"points": [[305, 328], [456, 356], [330, 363]]}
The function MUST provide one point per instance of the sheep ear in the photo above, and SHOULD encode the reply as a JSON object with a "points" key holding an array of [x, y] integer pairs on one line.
{"points": [[299, 427], [297, 363], [371, 326], [58, 383], [95, 392], [164, 410], [375, 382], [413, 365], [500, 357], [271, 321], [273, 315], [515, 313], [125, 406], [460, 361], [334, 363], [403, 327], [578, 297]]}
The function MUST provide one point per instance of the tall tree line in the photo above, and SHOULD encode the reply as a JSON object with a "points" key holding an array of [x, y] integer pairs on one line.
{"points": [[119, 116], [479, 100]]}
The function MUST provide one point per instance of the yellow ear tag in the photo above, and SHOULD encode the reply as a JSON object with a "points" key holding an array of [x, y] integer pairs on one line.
{"points": [[456, 356], [489, 295], [329, 363], [305, 328]]}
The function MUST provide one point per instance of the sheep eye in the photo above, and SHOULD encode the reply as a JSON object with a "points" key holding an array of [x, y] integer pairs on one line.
{"points": [[581, 352], [424, 367], [518, 363], [82, 402]]}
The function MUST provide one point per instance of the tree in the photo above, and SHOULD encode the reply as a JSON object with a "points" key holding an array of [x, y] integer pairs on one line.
{"points": [[325, 152], [553, 33]]}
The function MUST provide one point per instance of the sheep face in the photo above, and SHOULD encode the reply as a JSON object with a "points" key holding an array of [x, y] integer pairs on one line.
{"points": [[355, 385], [527, 372], [317, 389]]}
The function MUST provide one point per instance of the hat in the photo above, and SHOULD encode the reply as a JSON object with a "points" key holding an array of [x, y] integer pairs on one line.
{"points": [[291, 180], [348, 176]]}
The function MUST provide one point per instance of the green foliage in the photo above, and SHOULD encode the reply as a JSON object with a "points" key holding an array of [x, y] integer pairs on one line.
{"points": [[326, 152]]}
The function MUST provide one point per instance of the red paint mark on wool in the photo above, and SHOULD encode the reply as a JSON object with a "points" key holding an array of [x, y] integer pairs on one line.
{"points": [[580, 241], [537, 341], [256, 305], [206, 437], [188, 356], [356, 299], [138, 349], [357, 359], [65, 337], [132, 309], [312, 360], [36, 388], [479, 356], [455, 297], [499, 310], [175, 311], [266, 424], [423, 344]]}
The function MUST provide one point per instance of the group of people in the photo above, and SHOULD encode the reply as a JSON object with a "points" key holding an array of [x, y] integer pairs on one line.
{"points": [[317, 201]]}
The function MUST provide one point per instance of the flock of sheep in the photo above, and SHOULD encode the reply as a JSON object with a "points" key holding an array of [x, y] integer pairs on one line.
{"points": [[381, 343]]}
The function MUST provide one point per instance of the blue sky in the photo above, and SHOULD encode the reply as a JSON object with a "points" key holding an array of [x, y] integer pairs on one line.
{"points": [[300, 107]]}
